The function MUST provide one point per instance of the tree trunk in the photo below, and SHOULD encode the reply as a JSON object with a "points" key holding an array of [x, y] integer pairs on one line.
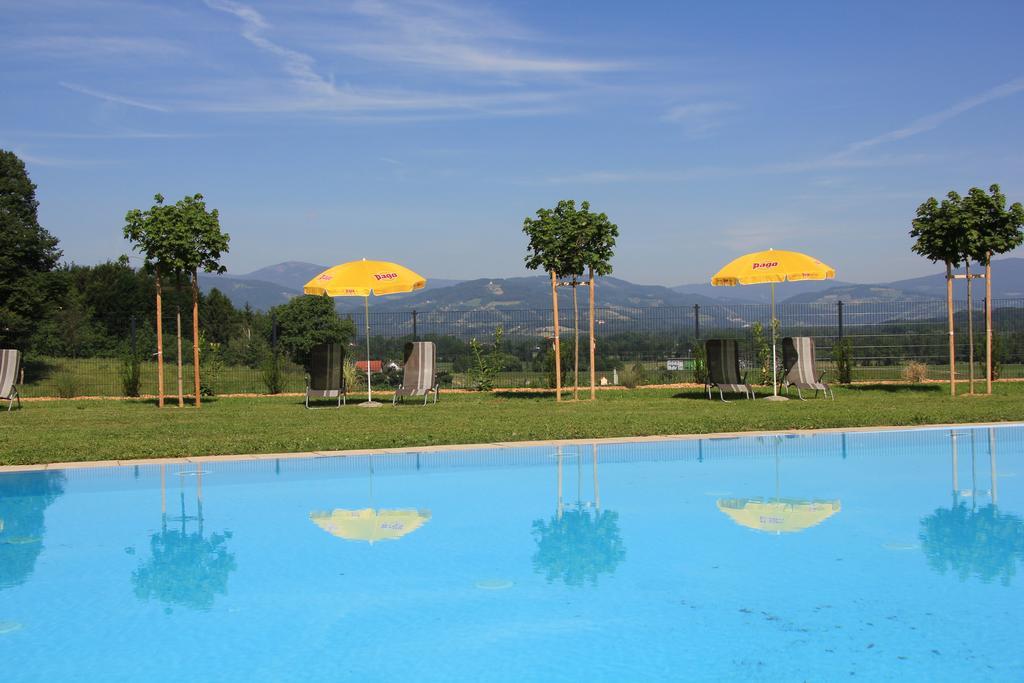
{"points": [[181, 391], [195, 335], [988, 324], [970, 331], [593, 375], [576, 343], [952, 346], [558, 348], [159, 341]]}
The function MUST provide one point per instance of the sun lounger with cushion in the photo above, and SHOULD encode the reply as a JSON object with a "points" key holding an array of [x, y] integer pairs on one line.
{"points": [[419, 374], [798, 361], [724, 369]]}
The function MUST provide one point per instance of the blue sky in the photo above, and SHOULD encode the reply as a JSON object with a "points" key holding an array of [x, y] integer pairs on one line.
{"points": [[425, 131]]}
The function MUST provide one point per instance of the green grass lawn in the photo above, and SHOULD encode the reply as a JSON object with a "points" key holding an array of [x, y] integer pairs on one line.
{"points": [[58, 431]]}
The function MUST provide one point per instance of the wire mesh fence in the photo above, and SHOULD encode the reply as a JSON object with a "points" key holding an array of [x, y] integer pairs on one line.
{"points": [[634, 346]]}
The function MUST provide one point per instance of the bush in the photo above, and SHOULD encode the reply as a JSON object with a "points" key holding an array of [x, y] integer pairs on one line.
{"points": [[700, 364], [131, 375], [211, 362], [842, 356], [763, 351], [634, 376], [273, 376], [68, 385], [486, 364], [915, 372]]}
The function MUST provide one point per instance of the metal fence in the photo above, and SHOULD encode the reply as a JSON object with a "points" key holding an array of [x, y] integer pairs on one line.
{"points": [[634, 346]]}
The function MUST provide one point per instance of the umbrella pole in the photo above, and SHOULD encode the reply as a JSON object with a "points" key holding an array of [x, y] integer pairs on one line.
{"points": [[775, 365], [369, 371]]}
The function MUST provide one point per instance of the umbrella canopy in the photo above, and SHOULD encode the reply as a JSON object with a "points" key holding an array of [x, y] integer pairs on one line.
{"points": [[772, 266], [369, 524], [363, 278], [778, 515]]}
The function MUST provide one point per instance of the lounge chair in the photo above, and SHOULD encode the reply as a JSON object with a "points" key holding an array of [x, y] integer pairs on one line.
{"points": [[10, 364], [325, 378], [723, 360], [798, 362], [419, 376]]}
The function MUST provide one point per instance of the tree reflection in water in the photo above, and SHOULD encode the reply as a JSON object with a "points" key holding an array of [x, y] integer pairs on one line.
{"points": [[24, 497], [969, 541], [986, 543], [186, 568], [578, 544]]}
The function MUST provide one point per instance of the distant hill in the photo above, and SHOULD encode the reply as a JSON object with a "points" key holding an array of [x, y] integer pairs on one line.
{"points": [[1007, 283], [533, 292], [276, 284]]}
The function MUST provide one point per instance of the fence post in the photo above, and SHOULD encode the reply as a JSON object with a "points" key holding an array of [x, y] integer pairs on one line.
{"points": [[134, 352], [696, 322], [839, 310], [273, 332], [414, 337]]}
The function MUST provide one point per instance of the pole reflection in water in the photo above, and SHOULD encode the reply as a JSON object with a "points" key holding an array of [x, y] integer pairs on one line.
{"points": [[582, 541], [186, 568], [985, 542]]}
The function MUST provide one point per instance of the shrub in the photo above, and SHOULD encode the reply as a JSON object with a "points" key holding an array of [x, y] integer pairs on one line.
{"points": [[700, 364], [763, 351], [486, 363], [915, 372], [211, 362], [633, 376], [842, 356], [273, 376], [68, 384], [131, 375]]}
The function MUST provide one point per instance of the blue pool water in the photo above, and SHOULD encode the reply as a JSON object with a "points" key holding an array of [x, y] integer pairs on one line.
{"points": [[888, 557]]}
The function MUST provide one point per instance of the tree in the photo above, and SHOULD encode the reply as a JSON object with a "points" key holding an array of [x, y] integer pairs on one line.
{"points": [[940, 236], [306, 321], [220, 318], [993, 230], [567, 242], [27, 253], [178, 239]]}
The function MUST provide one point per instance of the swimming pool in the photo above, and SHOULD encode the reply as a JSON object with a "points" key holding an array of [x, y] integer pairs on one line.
{"points": [[874, 555]]}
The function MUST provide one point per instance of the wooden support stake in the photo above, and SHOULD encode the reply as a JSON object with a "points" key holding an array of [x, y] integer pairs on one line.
{"points": [[593, 344], [970, 331], [558, 348], [576, 345], [195, 335], [952, 346], [159, 342], [988, 324], [181, 392]]}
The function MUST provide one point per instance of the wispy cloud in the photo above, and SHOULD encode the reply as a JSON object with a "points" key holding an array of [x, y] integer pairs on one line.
{"points": [[306, 89], [443, 36], [117, 99], [933, 121], [93, 47], [699, 118]]}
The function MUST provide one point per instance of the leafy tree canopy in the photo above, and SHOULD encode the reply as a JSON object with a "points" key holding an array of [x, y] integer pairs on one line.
{"points": [[306, 321], [179, 238], [27, 253], [940, 231], [568, 240], [25, 246], [992, 227]]}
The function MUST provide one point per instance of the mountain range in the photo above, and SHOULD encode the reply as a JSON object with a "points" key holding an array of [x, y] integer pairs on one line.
{"points": [[276, 284]]}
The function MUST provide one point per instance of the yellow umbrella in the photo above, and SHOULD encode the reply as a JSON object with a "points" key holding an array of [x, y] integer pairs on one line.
{"points": [[369, 524], [363, 278], [778, 515], [772, 266]]}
